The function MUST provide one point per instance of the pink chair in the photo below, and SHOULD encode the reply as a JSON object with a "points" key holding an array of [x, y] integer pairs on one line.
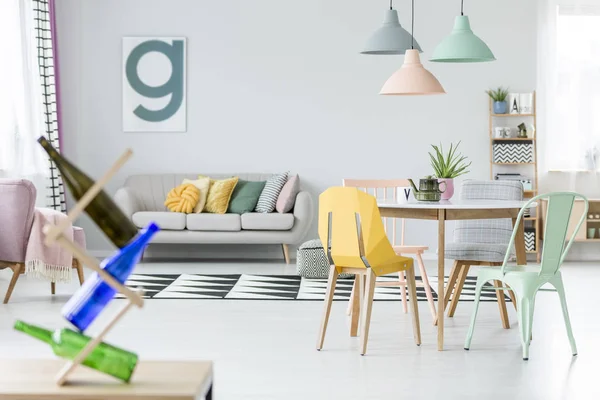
{"points": [[17, 203], [384, 189]]}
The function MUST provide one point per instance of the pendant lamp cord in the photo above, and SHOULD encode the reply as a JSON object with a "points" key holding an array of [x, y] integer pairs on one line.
{"points": [[391, 5], [412, 27], [462, 3]]}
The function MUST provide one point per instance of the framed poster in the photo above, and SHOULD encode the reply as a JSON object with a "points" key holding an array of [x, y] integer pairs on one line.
{"points": [[154, 84]]}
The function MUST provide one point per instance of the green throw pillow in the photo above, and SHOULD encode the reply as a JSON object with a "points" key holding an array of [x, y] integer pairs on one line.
{"points": [[245, 196]]}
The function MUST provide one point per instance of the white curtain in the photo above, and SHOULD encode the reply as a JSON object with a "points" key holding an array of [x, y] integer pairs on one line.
{"points": [[569, 83], [21, 115]]}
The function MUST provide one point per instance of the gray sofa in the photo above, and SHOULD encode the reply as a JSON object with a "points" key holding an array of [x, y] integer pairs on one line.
{"points": [[142, 198]]}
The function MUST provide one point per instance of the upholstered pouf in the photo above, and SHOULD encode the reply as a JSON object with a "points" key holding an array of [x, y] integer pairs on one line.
{"points": [[311, 261]]}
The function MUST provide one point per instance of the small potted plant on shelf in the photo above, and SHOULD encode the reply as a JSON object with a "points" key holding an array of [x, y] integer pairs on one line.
{"points": [[448, 166], [499, 97]]}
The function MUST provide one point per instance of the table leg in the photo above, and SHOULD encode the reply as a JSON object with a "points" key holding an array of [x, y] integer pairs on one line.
{"points": [[520, 243], [441, 293]]}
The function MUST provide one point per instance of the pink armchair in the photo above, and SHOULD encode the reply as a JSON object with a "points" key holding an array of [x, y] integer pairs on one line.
{"points": [[17, 203]]}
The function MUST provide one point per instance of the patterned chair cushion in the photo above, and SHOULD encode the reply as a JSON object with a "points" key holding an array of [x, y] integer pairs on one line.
{"points": [[312, 262], [486, 239], [476, 252]]}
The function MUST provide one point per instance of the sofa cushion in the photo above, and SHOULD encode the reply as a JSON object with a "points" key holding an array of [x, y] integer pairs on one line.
{"points": [[267, 222], [165, 219], [183, 198], [219, 194], [202, 184], [213, 222], [268, 197], [287, 197], [245, 196]]}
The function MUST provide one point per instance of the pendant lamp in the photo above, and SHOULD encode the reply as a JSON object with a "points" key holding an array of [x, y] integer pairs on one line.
{"points": [[391, 38], [412, 78], [462, 46]]}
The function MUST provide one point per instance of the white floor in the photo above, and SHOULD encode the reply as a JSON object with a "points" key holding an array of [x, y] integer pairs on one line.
{"points": [[266, 349]]}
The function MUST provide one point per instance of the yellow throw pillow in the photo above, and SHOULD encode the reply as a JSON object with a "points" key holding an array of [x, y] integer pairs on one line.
{"points": [[203, 185], [219, 195], [183, 198]]}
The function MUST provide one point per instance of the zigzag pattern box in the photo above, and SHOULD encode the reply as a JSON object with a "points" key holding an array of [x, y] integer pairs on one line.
{"points": [[530, 239], [513, 152]]}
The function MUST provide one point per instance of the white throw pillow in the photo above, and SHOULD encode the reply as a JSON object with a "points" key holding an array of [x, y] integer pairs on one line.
{"points": [[203, 184]]}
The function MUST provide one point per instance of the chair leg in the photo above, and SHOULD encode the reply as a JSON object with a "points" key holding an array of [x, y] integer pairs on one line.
{"points": [[79, 269], [331, 282], [53, 288], [525, 313], [412, 294], [351, 302], [454, 272], [403, 291], [427, 287], [558, 284], [355, 305], [17, 271], [502, 305], [366, 311], [513, 299], [478, 288], [450, 285], [462, 276]]}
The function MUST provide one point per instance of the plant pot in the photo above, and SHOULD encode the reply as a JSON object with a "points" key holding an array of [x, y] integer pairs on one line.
{"points": [[500, 107], [449, 189]]}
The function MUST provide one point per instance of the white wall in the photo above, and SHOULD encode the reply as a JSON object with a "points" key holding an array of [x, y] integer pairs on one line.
{"points": [[276, 85]]}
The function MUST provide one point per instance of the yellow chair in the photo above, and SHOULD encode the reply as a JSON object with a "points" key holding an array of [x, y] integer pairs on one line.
{"points": [[352, 233], [381, 188]]}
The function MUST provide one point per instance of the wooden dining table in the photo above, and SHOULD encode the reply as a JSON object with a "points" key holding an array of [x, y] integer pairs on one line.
{"points": [[452, 210]]}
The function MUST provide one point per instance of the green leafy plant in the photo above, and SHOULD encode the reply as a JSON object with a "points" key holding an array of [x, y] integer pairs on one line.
{"points": [[499, 94], [449, 165]]}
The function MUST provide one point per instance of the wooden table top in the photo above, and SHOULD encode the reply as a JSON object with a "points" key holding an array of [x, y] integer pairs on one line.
{"points": [[34, 379], [454, 204]]}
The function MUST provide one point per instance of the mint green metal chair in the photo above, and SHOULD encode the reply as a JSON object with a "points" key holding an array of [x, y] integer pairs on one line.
{"points": [[526, 281]]}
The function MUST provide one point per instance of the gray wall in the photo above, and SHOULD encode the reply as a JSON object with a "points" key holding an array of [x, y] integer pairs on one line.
{"points": [[275, 85]]}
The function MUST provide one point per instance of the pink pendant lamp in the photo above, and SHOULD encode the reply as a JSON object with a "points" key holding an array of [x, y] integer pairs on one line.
{"points": [[412, 78]]}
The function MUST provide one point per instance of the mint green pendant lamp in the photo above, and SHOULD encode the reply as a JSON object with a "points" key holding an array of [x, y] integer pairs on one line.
{"points": [[462, 46], [391, 38]]}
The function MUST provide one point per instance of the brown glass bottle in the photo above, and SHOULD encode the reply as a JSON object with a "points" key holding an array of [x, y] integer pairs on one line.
{"points": [[105, 213]]}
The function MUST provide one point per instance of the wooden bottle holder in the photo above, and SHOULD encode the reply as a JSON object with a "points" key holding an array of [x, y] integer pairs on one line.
{"points": [[54, 235]]}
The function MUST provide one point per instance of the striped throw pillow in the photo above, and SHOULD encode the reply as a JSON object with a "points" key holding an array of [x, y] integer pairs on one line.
{"points": [[268, 197]]}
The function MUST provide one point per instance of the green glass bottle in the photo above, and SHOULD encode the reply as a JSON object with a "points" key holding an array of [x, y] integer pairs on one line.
{"points": [[105, 213], [67, 344]]}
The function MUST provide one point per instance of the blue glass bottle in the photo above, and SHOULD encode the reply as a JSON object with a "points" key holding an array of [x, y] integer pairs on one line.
{"points": [[89, 301]]}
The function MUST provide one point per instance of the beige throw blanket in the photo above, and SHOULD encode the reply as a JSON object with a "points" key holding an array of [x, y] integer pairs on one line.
{"points": [[53, 263]]}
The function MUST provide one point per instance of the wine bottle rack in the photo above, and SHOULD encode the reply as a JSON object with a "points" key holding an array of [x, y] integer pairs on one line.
{"points": [[54, 234]]}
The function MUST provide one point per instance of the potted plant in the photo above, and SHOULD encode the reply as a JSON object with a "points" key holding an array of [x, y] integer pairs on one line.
{"points": [[448, 166], [499, 97]]}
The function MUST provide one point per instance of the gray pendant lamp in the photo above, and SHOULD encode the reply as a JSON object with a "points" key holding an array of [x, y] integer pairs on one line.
{"points": [[462, 46], [391, 38]]}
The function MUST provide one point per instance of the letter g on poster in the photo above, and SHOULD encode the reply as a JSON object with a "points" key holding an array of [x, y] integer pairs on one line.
{"points": [[154, 84]]}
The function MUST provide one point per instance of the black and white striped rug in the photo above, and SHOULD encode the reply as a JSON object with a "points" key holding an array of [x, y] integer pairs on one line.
{"points": [[271, 287]]}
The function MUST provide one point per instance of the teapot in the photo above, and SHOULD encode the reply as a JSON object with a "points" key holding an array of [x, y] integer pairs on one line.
{"points": [[429, 189]]}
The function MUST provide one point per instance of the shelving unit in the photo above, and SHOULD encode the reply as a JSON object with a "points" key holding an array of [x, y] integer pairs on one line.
{"points": [[582, 234], [532, 223]]}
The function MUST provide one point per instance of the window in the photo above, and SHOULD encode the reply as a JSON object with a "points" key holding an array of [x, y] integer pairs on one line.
{"points": [[572, 93], [8, 70], [21, 114]]}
